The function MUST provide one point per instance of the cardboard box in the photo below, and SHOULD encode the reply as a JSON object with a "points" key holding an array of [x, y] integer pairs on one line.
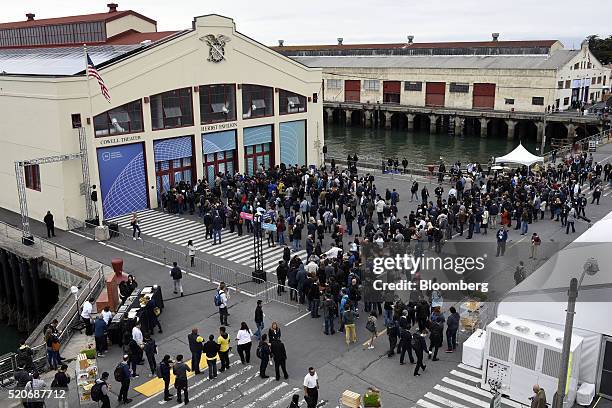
{"points": [[350, 399]]}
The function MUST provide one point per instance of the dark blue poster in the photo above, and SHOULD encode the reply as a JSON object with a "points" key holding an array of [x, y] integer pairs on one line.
{"points": [[122, 179]]}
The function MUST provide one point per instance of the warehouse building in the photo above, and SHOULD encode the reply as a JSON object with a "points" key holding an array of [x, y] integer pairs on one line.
{"points": [[184, 105]]}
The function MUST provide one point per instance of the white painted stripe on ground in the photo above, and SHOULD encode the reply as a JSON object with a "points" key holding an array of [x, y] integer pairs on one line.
{"points": [[182, 235], [233, 248], [298, 318], [283, 398], [465, 376], [462, 396], [426, 404], [242, 257], [479, 391], [266, 395], [444, 401], [216, 384], [207, 243], [470, 368], [232, 388], [258, 386]]}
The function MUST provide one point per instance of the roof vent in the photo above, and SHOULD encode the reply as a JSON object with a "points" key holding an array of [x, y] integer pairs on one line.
{"points": [[410, 39], [340, 39], [281, 43], [495, 36], [30, 16], [112, 7], [146, 42]]}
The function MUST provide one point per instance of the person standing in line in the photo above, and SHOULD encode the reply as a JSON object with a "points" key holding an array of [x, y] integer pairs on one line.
{"points": [[279, 355], [60, 382], [535, 245], [150, 350], [281, 275], [86, 311], [224, 346], [405, 345], [243, 339], [435, 337], [274, 332], [311, 388], [502, 237], [263, 353], [211, 349], [371, 327], [217, 224], [259, 319], [348, 318], [180, 381], [104, 389], [135, 223], [195, 347], [48, 220], [177, 276], [419, 346], [571, 219], [221, 301], [122, 375], [452, 325], [164, 371], [191, 252]]}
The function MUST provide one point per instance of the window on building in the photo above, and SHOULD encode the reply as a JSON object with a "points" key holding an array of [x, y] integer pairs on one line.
{"points": [[217, 103], [604, 80], [257, 101], [172, 109], [413, 86], [334, 84], [32, 177], [593, 80], [122, 119], [589, 65], [458, 87], [567, 83], [256, 156], [75, 118], [509, 101], [577, 65], [537, 100], [290, 102], [371, 85], [560, 85], [599, 80], [566, 101]]}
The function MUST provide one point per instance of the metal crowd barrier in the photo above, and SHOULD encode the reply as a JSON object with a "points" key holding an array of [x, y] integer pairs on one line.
{"points": [[60, 253], [204, 269]]}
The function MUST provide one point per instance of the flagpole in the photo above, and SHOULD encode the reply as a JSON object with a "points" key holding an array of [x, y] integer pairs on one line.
{"points": [[91, 127]]}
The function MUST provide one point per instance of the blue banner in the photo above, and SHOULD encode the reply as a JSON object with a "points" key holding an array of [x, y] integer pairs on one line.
{"points": [[122, 179], [293, 142], [218, 141], [170, 149], [268, 226]]}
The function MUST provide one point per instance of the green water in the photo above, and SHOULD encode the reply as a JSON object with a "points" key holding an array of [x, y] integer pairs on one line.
{"points": [[9, 339], [372, 145]]}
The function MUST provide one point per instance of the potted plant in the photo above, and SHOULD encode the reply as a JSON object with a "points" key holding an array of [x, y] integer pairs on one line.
{"points": [[371, 398]]}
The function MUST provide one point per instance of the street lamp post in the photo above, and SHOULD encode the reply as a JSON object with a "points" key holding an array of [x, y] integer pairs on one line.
{"points": [[590, 268]]}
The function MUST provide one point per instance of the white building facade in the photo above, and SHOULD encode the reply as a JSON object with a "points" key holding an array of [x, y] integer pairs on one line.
{"points": [[188, 106]]}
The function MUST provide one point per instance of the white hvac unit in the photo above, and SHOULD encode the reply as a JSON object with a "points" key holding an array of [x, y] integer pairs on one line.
{"points": [[519, 354]]}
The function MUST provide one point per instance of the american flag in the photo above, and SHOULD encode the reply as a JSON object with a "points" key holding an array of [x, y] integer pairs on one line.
{"points": [[93, 72]]}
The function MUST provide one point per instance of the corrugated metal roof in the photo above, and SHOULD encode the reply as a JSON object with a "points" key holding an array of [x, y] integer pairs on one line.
{"points": [[57, 61], [84, 18], [556, 60], [459, 44]]}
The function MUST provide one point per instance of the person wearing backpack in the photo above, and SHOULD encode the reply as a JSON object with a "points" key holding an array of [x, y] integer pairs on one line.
{"points": [[163, 372], [60, 382], [122, 376], [263, 353], [419, 346], [177, 276], [99, 392], [221, 302]]}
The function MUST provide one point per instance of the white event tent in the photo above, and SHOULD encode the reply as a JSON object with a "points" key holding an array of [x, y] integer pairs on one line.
{"points": [[520, 155]]}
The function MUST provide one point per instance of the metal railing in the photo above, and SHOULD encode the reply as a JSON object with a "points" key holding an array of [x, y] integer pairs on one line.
{"points": [[202, 268], [50, 250], [602, 137]]}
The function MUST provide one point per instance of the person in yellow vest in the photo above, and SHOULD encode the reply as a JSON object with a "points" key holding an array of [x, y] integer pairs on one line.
{"points": [[224, 348]]}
